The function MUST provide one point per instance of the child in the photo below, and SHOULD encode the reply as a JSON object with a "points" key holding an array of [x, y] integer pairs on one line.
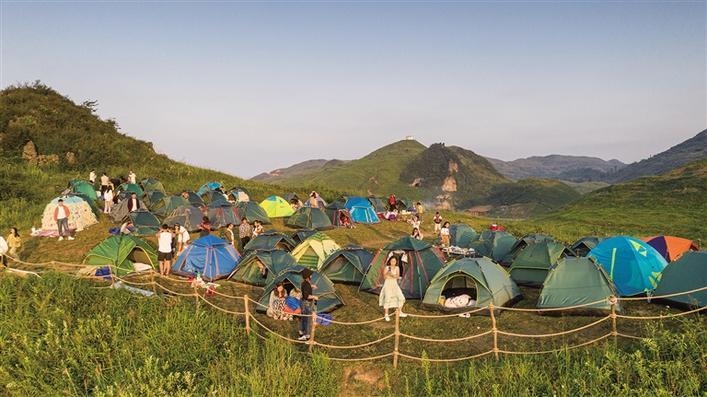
{"points": [[14, 242], [444, 234], [416, 234]]}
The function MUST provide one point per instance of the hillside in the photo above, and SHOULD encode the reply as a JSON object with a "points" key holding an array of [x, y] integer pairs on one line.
{"points": [[69, 140], [570, 168], [693, 149], [529, 197], [674, 203], [292, 171]]}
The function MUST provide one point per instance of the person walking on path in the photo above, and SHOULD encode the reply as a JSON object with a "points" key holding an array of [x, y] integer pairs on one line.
{"points": [[61, 216], [391, 296], [245, 231], [164, 249], [437, 219], [14, 243], [308, 306]]}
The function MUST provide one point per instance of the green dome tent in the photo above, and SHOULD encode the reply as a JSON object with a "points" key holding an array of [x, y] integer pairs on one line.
{"points": [[119, 211], [221, 213], [585, 244], [195, 199], [302, 235], [270, 240], [252, 211], [166, 205], [83, 187], [347, 265], [378, 204], [462, 235], [532, 264], [309, 218], [419, 262], [260, 267], [152, 185], [522, 243], [292, 277], [495, 245], [188, 216], [121, 253], [576, 281], [153, 197], [132, 188], [686, 274], [146, 223], [485, 281]]}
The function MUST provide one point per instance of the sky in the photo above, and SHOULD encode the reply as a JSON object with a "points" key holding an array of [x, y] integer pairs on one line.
{"points": [[247, 87]]}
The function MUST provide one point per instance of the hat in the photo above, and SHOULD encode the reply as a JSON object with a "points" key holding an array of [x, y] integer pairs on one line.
{"points": [[306, 273]]}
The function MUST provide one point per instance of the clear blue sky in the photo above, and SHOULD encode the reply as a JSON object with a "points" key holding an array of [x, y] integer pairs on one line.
{"points": [[248, 87]]}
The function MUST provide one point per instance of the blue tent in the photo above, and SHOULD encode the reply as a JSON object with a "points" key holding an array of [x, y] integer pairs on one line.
{"points": [[361, 210], [211, 256], [633, 265], [208, 186]]}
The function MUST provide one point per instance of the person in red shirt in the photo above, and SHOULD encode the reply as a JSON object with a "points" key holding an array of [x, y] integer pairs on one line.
{"points": [[391, 202]]}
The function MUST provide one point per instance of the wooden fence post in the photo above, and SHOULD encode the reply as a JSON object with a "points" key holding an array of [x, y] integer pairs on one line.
{"points": [[313, 319], [396, 347], [152, 282], [494, 330], [247, 314], [614, 331]]}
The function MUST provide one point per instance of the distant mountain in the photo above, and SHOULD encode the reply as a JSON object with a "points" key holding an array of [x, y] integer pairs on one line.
{"points": [[570, 168], [291, 171], [691, 150]]}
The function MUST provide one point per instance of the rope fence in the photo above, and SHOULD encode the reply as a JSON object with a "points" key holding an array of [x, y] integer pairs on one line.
{"points": [[253, 324]]}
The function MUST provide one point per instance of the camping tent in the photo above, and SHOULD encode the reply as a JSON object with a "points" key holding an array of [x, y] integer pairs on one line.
{"points": [[209, 256], [270, 240], [313, 251], [532, 264], [672, 248], [252, 211], [80, 215], [462, 235], [309, 218], [132, 188], [292, 278], [121, 253], [378, 204], [347, 265], [302, 234], [632, 264], [482, 279], [496, 245], [585, 244], [686, 274], [276, 207], [222, 213], [577, 281], [238, 194], [119, 211], [419, 262], [188, 216], [521, 244], [83, 187], [195, 199], [335, 211], [361, 210], [152, 185], [167, 204], [260, 267], [403, 204], [145, 222], [91, 202], [152, 197], [207, 187]]}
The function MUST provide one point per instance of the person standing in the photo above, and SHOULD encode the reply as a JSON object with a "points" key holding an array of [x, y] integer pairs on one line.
{"points": [[132, 178], [313, 202], [257, 228], [105, 183], [61, 216], [230, 235], [133, 203], [108, 200], [437, 219], [392, 201], [205, 227], [308, 305], [444, 234], [182, 236], [14, 243], [391, 296], [92, 178], [164, 249], [420, 210], [244, 232]]}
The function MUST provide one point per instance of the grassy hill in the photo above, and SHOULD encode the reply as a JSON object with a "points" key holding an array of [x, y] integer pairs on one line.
{"points": [[573, 168], [529, 197], [693, 149], [674, 203], [295, 170]]}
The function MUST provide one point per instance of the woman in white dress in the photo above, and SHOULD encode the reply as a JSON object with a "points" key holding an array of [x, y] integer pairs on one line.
{"points": [[391, 296]]}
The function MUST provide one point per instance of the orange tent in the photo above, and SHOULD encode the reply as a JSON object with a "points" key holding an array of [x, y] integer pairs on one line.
{"points": [[671, 247]]}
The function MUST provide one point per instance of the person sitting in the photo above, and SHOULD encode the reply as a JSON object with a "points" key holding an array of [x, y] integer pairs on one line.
{"points": [[416, 234], [276, 306], [257, 228], [345, 221], [205, 227], [127, 228], [14, 242], [295, 204], [415, 222]]}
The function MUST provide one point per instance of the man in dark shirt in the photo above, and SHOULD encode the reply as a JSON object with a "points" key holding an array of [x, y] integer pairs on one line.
{"points": [[134, 203], [308, 305]]}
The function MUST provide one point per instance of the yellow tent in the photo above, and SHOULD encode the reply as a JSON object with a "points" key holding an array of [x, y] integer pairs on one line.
{"points": [[277, 207], [313, 251]]}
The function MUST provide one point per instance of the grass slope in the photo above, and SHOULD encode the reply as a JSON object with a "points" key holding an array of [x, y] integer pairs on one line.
{"points": [[529, 197]]}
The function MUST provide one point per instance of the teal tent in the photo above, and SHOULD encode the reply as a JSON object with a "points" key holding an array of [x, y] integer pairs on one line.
{"points": [[153, 197], [208, 186], [252, 211], [633, 265], [309, 218], [347, 265], [166, 205], [132, 188], [291, 277], [686, 274], [152, 185], [188, 216], [222, 213], [522, 243], [83, 187], [419, 262], [269, 240], [119, 211], [260, 267], [462, 235], [145, 223], [483, 280], [495, 245], [585, 244], [302, 234], [577, 281], [532, 264]]}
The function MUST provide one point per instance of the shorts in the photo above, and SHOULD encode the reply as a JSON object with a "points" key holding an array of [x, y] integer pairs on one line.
{"points": [[164, 256]]}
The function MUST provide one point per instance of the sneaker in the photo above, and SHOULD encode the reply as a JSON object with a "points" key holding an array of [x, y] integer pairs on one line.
{"points": [[303, 337], [70, 238], [387, 318], [61, 238]]}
